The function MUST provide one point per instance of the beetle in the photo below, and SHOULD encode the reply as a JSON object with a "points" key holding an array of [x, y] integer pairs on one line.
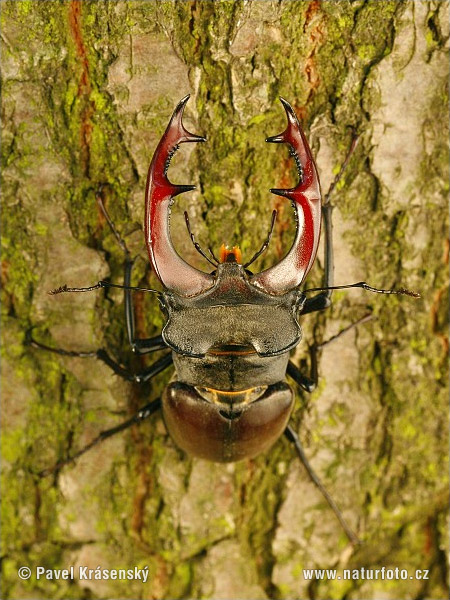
{"points": [[230, 332]]}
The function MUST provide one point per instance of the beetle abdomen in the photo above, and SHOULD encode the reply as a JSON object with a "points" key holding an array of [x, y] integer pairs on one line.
{"points": [[226, 431]]}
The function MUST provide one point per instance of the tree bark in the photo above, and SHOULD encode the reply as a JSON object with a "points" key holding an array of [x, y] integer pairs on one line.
{"points": [[88, 88]]}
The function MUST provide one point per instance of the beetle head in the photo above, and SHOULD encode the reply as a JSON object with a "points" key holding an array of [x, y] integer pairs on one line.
{"points": [[181, 278], [233, 312]]}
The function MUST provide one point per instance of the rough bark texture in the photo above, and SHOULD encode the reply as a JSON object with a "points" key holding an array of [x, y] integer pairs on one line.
{"points": [[88, 88]]}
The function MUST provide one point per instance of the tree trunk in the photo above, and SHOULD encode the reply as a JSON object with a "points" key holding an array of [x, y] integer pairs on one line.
{"points": [[88, 89]]}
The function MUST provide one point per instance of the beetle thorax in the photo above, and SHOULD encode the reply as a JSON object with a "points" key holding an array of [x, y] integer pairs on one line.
{"points": [[233, 312]]}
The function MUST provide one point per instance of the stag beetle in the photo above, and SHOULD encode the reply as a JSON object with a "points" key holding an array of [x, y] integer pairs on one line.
{"points": [[230, 331]]}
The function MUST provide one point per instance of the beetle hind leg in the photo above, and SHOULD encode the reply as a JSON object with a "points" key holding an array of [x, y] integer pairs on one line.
{"points": [[144, 413], [309, 384], [293, 438]]}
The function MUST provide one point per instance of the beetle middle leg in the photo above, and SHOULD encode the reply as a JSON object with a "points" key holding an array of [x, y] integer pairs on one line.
{"points": [[101, 354], [139, 346], [309, 383]]}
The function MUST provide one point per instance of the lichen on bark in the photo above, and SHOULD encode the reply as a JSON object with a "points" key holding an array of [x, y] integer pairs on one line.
{"points": [[88, 87]]}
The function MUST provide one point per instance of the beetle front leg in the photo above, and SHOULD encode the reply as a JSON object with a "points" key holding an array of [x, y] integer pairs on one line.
{"points": [[138, 346], [323, 300]]}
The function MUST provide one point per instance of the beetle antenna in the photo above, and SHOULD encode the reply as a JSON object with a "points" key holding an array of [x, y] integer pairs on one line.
{"points": [[210, 250], [266, 241], [196, 244], [99, 285], [366, 286]]}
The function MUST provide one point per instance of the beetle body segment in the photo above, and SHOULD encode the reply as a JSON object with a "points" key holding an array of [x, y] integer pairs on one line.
{"points": [[231, 370], [229, 401], [232, 312], [226, 432]]}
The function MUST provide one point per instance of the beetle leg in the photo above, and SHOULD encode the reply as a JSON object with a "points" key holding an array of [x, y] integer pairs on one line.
{"points": [[323, 300], [154, 369], [306, 383], [138, 346], [160, 365], [145, 412], [318, 302], [309, 383], [143, 345], [293, 437]]}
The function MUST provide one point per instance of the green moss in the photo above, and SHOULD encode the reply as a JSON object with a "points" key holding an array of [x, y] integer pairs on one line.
{"points": [[337, 34], [181, 581], [25, 7], [367, 52]]}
